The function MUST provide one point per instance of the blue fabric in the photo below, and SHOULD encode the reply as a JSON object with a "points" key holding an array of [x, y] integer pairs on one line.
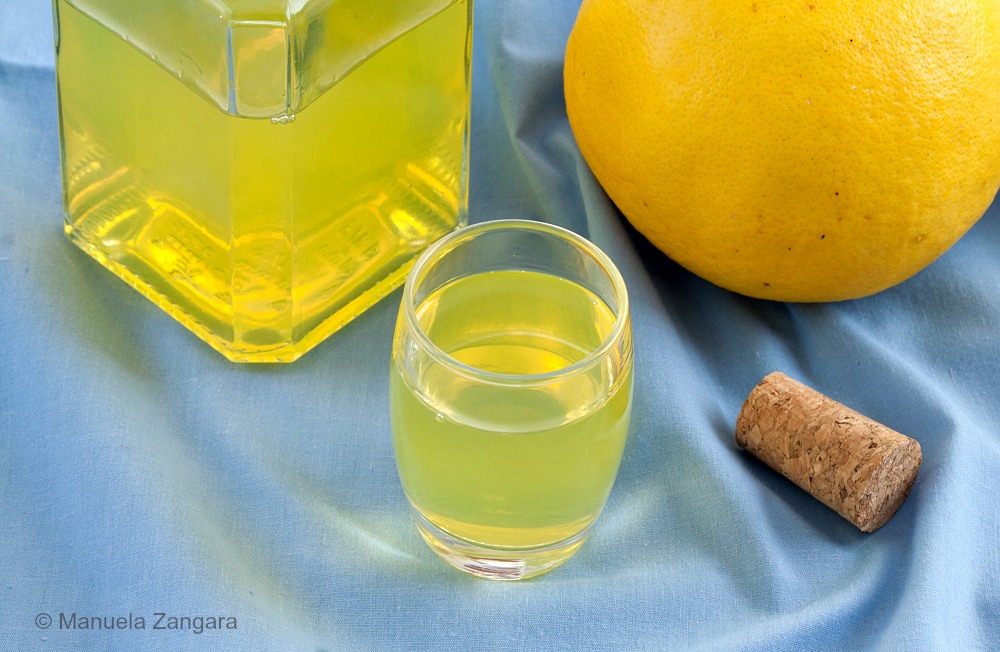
{"points": [[142, 473]]}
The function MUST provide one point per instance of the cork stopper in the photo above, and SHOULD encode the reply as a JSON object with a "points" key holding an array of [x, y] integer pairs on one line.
{"points": [[858, 467]]}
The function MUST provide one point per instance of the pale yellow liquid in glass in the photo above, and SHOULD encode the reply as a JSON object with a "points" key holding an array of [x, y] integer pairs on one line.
{"points": [[263, 235], [500, 468]]}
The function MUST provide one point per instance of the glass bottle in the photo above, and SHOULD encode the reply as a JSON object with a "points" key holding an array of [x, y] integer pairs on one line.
{"points": [[263, 170]]}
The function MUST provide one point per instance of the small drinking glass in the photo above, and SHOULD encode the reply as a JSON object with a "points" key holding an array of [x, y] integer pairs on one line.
{"points": [[510, 394]]}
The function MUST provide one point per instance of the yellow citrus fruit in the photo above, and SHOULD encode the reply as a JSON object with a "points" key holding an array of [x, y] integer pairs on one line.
{"points": [[791, 150]]}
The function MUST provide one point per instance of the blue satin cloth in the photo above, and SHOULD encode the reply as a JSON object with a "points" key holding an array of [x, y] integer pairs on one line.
{"points": [[142, 474]]}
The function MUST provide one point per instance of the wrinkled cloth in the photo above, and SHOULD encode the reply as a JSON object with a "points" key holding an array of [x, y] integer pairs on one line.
{"points": [[142, 474]]}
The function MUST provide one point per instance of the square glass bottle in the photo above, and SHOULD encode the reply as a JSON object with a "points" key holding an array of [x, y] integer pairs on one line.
{"points": [[263, 170]]}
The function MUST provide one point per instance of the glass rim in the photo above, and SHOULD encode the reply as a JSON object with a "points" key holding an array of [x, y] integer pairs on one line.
{"points": [[441, 247]]}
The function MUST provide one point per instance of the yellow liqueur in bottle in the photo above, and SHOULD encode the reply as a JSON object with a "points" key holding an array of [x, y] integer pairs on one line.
{"points": [[263, 170]]}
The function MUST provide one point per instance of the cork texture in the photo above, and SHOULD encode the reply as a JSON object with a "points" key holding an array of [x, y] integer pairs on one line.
{"points": [[858, 467]]}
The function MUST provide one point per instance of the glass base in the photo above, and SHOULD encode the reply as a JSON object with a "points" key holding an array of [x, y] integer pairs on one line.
{"points": [[497, 563]]}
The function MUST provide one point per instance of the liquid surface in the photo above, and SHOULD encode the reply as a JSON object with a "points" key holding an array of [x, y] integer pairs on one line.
{"points": [[263, 236], [502, 467]]}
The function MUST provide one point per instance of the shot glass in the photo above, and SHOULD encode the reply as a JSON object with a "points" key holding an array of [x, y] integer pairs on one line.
{"points": [[510, 394]]}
